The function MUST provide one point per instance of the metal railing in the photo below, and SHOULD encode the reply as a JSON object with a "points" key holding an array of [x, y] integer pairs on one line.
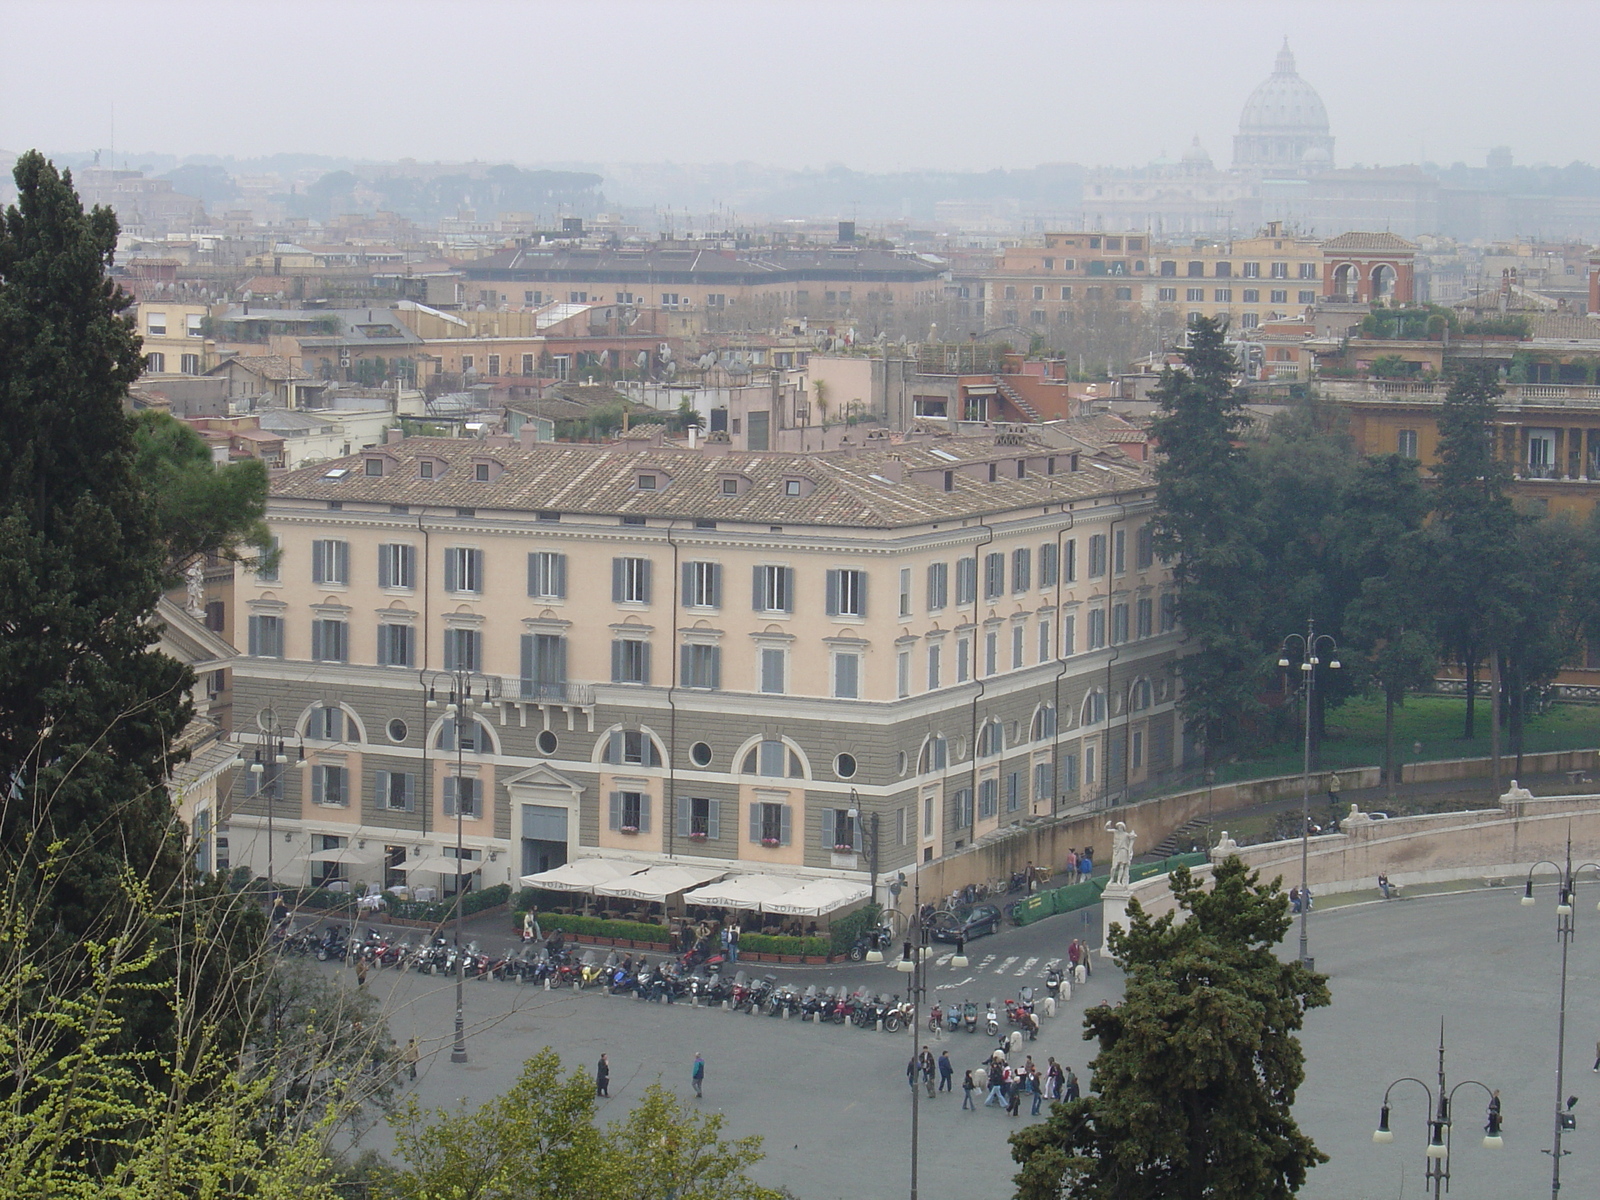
{"points": [[578, 695]]}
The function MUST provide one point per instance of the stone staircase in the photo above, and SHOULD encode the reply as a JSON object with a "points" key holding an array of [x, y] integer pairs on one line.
{"points": [[1017, 398], [1177, 842]]}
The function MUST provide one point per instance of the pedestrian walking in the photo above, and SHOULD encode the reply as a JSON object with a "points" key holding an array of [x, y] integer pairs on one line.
{"points": [[602, 1078], [911, 1072], [1071, 867], [1334, 788], [1085, 864], [968, 1086], [1035, 1090], [361, 972], [1033, 1027], [733, 942], [925, 1061], [409, 1056], [1015, 1086], [1053, 1080], [1071, 1086], [997, 1083], [947, 1071], [698, 1075]]}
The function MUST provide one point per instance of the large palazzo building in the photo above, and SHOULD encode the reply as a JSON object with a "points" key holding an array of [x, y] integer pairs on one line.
{"points": [[675, 651]]}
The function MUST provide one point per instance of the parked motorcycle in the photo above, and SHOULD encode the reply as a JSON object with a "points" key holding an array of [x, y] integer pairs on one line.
{"points": [[969, 1014], [991, 1022], [880, 938]]}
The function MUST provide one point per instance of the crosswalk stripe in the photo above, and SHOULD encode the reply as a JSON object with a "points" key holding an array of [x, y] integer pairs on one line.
{"points": [[1026, 967], [987, 959], [944, 958], [1005, 966]]}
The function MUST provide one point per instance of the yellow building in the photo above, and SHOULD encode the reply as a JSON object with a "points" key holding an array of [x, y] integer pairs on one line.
{"points": [[1270, 277], [175, 338]]}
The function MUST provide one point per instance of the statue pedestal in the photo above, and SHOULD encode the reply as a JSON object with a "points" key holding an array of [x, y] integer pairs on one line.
{"points": [[1113, 910]]}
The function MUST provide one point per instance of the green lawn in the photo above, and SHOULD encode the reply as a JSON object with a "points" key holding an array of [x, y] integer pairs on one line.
{"points": [[1355, 736]]}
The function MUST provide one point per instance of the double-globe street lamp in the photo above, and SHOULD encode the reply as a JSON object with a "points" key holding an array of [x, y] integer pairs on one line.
{"points": [[463, 689], [914, 962], [1566, 899], [1309, 646], [266, 778], [1440, 1122]]}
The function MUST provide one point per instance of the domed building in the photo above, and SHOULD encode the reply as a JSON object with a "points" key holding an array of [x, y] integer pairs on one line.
{"points": [[1284, 127]]}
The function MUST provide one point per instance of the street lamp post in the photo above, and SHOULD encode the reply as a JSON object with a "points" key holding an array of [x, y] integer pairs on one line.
{"points": [[1309, 643], [1565, 928], [267, 770], [464, 688], [913, 962], [1439, 1121]]}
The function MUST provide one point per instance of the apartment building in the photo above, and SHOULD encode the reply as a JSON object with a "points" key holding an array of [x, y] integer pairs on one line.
{"points": [[1044, 286], [175, 337], [745, 657], [1250, 281]]}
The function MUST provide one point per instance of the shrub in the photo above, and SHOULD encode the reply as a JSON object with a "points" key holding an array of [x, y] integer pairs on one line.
{"points": [[639, 931], [761, 943], [847, 929]]}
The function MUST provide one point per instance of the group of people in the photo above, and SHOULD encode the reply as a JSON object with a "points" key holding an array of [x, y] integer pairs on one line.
{"points": [[1301, 898], [1008, 1084], [1081, 863], [602, 1077]]}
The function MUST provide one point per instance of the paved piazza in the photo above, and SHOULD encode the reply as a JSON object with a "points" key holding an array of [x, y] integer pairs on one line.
{"points": [[832, 1104]]}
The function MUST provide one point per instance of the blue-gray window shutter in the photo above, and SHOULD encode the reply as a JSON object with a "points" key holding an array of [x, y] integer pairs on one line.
{"points": [[755, 822], [685, 816], [644, 813], [616, 810], [452, 570], [833, 594], [688, 584], [644, 580], [788, 589], [617, 569], [828, 839], [757, 598], [785, 836], [716, 585], [714, 821]]}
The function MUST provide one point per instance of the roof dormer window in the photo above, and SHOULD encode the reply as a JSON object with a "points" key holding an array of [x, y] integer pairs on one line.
{"points": [[486, 470], [791, 487], [480, 472], [648, 482], [374, 466]]}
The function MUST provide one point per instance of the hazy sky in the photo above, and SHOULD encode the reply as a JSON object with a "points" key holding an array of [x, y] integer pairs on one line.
{"points": [[872, 84]]}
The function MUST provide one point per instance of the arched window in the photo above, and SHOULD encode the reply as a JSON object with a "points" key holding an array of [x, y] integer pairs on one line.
{"points": [[1141, 695], [631, 748], [1044, 723], [475, 737], [991, 738], [1094, 707], [773, 758], [935, 754]]}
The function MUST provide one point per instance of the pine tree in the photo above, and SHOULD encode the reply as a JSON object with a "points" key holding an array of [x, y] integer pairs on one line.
{"points": [[1205, 504], [1199, 1064], [1475, 530], [88, 710]]}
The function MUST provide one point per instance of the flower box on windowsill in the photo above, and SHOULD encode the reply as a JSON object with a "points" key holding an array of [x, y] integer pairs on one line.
{"points": [[770, 843], [629, 829], [843, 848], [697, 837]]}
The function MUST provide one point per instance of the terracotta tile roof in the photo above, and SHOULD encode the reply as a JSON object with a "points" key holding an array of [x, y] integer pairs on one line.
{"points": [[853, 489], [1368, 241], [268, 366], [1562, 326]]}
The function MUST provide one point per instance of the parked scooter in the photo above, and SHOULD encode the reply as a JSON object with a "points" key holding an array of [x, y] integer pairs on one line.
{"points": [[991, 1022], [880, 938], [969, 1014]]}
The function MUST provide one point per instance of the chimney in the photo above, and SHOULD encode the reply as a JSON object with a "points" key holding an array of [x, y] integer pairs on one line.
{"points": [[528, 435], [847, 232], [391, 436]]}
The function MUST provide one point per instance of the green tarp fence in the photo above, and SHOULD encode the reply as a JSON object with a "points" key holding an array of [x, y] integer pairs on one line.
{"points": [[1081, 895]]}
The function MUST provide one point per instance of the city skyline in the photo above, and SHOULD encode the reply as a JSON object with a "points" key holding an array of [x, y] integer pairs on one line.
{"points": [[889, 88]]}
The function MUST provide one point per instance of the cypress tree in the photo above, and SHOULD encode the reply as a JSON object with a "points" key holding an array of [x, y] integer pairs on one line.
{"points": [[88, 709], [1205, 523]]}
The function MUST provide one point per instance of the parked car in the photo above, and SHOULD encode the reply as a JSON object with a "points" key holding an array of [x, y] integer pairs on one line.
{"points": [[970, 921]]}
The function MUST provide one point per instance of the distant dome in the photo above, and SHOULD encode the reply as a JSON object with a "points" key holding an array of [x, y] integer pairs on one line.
{"points": [[1196, 155], [1284, 102], [1284, 123]]}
